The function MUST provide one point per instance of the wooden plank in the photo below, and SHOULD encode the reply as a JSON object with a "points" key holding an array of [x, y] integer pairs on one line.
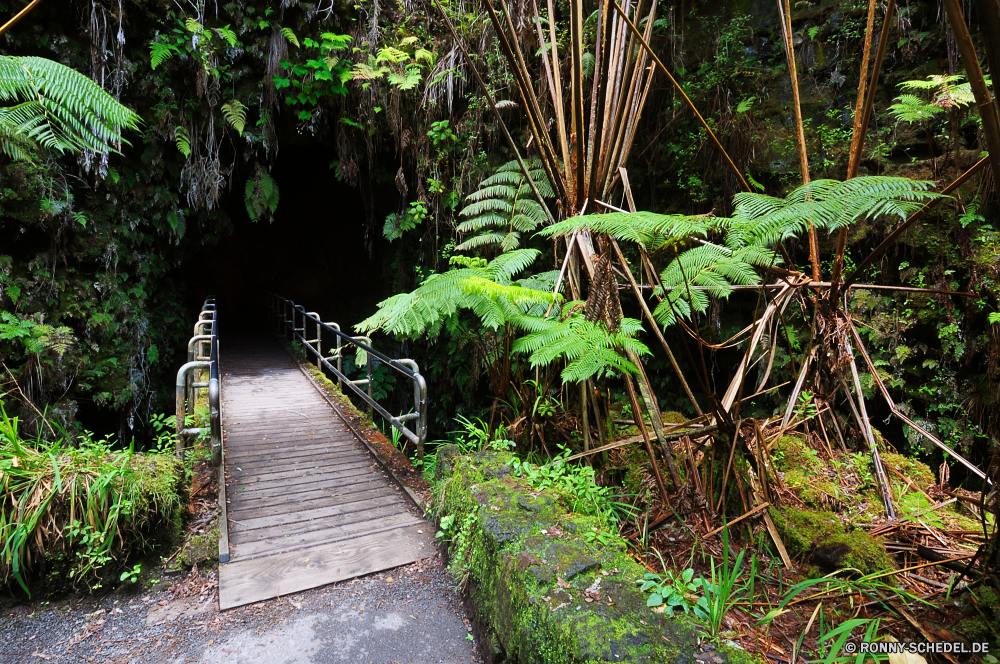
{"points": [[328, 513], [250, 445], [265, 476], [299, 540], [297, 481], [320, 459], [342, 484], [290, 452], [310, 500], [245, 582], [276, 533]]}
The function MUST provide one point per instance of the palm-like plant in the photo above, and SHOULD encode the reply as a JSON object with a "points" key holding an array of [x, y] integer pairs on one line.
{"points": [[743, 243], [58, 108]]}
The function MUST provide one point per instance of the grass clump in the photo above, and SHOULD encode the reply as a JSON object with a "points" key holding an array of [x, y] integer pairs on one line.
{"points": [[81, 505]]}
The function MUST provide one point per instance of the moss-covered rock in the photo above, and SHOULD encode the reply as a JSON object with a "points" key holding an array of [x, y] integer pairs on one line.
{"points": [[200, 549], [827, 543], [541, 589]]}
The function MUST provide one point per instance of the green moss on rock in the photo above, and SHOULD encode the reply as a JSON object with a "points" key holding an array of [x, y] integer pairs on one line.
{"points": [[807, 532], [529, 569], [201, 549]]}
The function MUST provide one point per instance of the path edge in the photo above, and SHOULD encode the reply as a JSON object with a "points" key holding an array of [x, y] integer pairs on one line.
{"points": [[412, 490]]}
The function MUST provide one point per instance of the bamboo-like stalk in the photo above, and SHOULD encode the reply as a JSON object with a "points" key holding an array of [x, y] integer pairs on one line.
{"points": [[536, 124], [656, 327], [857, 144], [785, 13], [496, 113], [857, 138], [645, 439], [989, 28], [985, 102], [18, 16], [866, 427], [557, 98], [895, 410], [578, 200], [687, 100]]}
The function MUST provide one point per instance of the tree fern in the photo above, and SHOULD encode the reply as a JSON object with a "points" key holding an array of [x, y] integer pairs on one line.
{"points": [[488, 290], [236, 114], [649, 230], [730, 250], [58, 108], [502, 209], [589, 348]]}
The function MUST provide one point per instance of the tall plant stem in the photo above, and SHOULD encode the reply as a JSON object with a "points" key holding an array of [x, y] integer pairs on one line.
{"points": [[536, 122], [857, 136], [680, 91], [985, 102], [496, 113], [656, 328], [785, 13], [895, 411], [645, 439], [17, 17], [857, 146], [989, 27], [866, 427]]}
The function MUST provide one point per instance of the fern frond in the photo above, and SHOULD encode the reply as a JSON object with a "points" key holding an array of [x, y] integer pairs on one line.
{"points": [[639, 227], [481, 240], [590, 349], [489, 191], [236, 114], [61, 108], [480, 222], [228, 35], [158, 52], [390, 54], [183, 141], [487, 291], [290, 36]]}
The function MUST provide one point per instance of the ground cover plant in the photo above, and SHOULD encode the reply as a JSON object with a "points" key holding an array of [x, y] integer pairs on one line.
{"points": [[80, 509]]}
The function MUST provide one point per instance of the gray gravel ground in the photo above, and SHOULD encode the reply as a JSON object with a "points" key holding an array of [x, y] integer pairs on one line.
{"points": [[411, 614]]}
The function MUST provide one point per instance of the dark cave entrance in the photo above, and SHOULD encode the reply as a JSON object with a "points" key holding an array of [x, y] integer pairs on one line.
{"points": [[314, 252]]}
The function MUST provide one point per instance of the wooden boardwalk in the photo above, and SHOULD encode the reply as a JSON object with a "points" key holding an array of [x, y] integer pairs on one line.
{"points": [[307, 502]]}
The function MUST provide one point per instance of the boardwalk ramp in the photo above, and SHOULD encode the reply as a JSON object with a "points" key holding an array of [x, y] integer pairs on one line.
{"points": [[307, 504]]}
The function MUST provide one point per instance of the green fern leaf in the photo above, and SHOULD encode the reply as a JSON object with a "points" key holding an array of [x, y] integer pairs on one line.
{"points": [[229, 36], [158, 52], [236, 114], [290, 36], [183, 141]]}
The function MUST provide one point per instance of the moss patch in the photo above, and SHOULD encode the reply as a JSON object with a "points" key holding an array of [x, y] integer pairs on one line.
{"points": [[529, 570], [201, 549], [824, 541]]}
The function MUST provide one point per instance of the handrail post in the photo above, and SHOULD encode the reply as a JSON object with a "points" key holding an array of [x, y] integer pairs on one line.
{"points": [[181, 397]]}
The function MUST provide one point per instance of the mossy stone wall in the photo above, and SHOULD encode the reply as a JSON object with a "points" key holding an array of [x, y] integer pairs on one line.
{"points": [[540, 591]]}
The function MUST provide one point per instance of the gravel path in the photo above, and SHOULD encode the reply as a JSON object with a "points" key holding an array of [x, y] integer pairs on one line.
{"points": [[411, 614]]}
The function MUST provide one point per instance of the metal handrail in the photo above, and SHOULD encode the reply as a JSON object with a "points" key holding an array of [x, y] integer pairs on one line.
{"points": [[287, 316], [205, 333]]}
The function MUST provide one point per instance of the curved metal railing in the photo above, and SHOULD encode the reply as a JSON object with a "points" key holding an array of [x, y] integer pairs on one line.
{"points": [[202, 353], [287, 317]]}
